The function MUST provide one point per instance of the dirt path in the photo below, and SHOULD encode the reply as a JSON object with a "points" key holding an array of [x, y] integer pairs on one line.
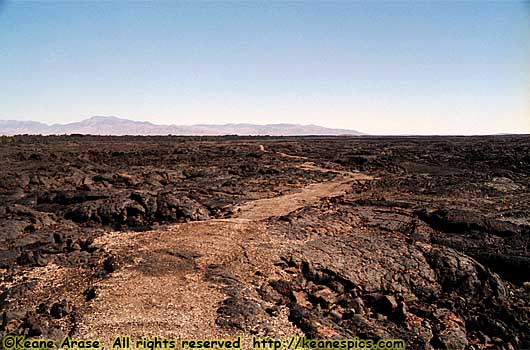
{"points": [[282, 205], [164, 289]]}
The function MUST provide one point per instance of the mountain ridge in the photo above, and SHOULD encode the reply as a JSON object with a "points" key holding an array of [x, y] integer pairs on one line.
{"points": [[111, 125]]}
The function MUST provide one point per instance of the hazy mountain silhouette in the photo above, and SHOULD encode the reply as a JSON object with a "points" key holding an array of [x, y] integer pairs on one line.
{"points": [[119, 126]]}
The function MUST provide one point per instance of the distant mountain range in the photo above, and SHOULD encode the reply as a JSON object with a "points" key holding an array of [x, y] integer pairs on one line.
{"points": [[120, 126]]}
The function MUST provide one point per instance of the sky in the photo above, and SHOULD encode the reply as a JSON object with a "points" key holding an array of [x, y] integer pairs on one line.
{"points": [[377, 67]]}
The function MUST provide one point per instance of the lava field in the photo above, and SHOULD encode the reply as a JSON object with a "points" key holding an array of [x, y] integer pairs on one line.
{"points": [[424, 239]]}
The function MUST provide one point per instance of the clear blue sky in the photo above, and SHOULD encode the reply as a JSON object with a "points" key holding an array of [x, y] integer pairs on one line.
{"points": [[386, 68]]}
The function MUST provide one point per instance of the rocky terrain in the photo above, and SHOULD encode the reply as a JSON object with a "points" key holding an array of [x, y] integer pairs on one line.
{"points": [[420, 238]]}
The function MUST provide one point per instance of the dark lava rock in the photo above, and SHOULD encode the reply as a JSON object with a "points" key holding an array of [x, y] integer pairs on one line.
{"points": [[90, 293], [269, 294], [110, 264], [60, 309], [459, 220], [384, 304], [238, 313], [32, 325], [459, 273], [32, 258]]}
